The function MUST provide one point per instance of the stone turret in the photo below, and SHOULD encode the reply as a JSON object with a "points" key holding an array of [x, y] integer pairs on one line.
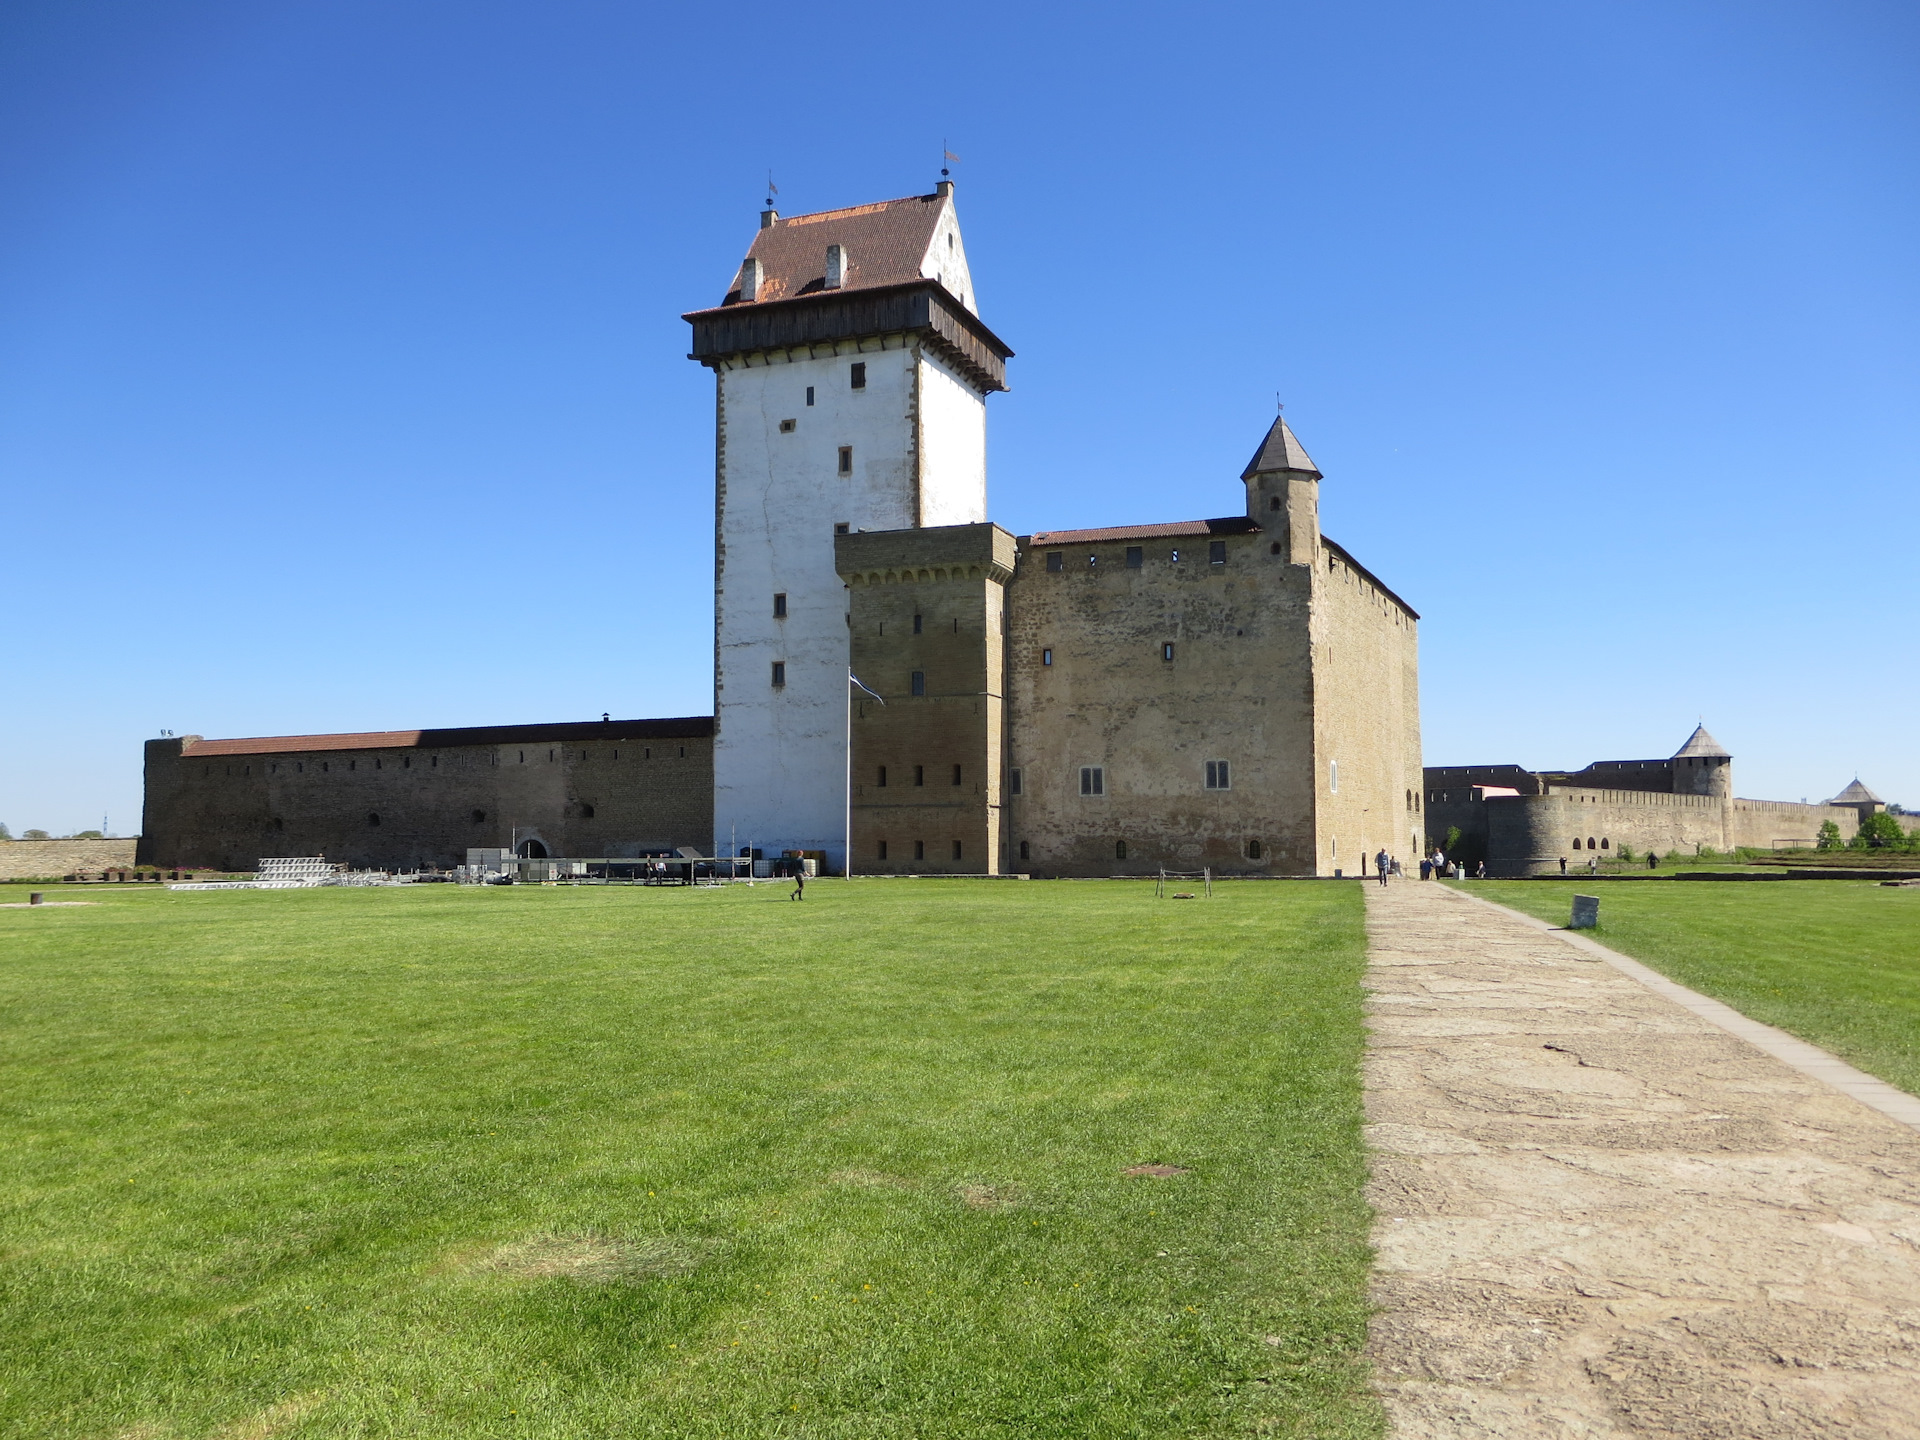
{"points": [[1283, 492], [1703, 766]]}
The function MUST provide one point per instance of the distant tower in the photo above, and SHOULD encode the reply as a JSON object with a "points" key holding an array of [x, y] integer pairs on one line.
{"points": [[851, 380], [1702, 766], [1283, 492]]}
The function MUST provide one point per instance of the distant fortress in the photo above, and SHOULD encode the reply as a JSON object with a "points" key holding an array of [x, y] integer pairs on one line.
{"points": [[1538, 822]]}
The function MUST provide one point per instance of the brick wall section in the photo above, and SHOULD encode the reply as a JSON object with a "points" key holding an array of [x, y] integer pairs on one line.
{"points": [[49, 859], [953, 578], [649, 785]]}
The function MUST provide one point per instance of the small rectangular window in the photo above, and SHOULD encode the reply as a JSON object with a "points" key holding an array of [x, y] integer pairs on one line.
{"points": [[919, 849], [842, 527], [1217, 775], [919, 774], [846, 460], [779, 672], [1166, 650], [859, 374], [780, 607], [882, 780], [1176, 557], [1093, 562], [919, 682], [1093, 780], [810, 401], [883, 849], [1056, 561], [1216, 552], [1136, 557], [956, 774], [1016, 781], [916, 624], [1046, 657], [787, 426], [956, 849]]}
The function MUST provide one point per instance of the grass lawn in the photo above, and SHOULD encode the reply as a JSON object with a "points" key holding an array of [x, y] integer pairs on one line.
{"points": [[620, 1162], [1836, 962]]}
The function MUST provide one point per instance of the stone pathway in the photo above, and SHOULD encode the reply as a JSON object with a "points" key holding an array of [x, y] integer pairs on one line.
{"points": [[1602, 1215]]}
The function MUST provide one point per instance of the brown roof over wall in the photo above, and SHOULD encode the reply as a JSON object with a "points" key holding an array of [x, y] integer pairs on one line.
{"points": [[1229, 525], [692, 727]]}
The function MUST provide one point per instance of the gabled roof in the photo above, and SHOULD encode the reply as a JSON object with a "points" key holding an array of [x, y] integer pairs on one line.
{"points": [[1700, 745], [1856, 794], [890, 242], [1280, 450], [685, 728]]}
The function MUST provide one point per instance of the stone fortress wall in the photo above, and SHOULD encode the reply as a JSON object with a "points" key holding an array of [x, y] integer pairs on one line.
{"points": [[1193, 652], [1179, 695], [406, 800], [1680, 805], [926, 620]]}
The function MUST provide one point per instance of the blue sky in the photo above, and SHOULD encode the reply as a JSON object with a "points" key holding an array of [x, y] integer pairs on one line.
{"points": [[342, 384]]}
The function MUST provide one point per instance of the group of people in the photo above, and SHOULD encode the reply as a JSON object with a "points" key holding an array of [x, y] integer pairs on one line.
{"points": [[1432, 866]]}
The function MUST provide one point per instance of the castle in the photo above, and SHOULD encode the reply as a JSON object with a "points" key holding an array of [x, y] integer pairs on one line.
{"points": [[1527, 822], [900, 685]]}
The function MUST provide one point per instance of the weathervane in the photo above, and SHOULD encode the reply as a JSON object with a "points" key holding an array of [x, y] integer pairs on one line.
{"points": [[772, 189], [946, 154]]}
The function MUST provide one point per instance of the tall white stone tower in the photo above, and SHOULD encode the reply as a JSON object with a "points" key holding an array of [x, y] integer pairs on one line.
{"points": [[851, 377]]}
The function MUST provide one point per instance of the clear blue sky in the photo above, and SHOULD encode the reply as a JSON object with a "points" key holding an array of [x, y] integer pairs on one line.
{"points": [[342, 384]]}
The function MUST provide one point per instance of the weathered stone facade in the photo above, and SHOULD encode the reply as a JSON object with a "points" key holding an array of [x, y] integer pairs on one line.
{"points": [[412, 799], [1222, 693], [1525, 822]]}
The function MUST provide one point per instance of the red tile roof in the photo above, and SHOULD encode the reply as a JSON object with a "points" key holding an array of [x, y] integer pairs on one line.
{"points": [[684, 728], [886, 243]]}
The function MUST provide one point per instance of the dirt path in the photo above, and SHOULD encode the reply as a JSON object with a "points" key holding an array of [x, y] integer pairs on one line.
{"points": [[1600, 1215]]}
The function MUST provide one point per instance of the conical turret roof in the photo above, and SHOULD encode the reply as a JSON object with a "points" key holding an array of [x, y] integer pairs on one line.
{"points": [[1279, 451], [1700, 743], [1856, 794]]}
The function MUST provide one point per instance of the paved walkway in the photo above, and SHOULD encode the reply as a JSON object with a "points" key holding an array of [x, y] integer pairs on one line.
{"points": [[1602, 1215]]}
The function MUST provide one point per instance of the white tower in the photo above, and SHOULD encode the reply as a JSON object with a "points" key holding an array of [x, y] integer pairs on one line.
{"points": [[851, 375]]}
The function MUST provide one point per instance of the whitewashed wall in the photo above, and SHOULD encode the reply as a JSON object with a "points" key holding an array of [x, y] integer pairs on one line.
{"points": [[780, 754]]}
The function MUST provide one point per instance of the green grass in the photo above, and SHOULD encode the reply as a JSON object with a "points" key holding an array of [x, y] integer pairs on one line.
{"points": [[622, 1162], [1836, 962]]}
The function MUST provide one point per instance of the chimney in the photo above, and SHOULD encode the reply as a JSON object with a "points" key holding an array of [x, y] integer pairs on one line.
{"points": [[749, 279], [768, 218], [837, 266], [945, 187]]}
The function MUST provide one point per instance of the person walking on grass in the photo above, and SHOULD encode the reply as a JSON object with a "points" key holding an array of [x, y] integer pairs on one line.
{"points": [[1380, 863], [800, 883]]}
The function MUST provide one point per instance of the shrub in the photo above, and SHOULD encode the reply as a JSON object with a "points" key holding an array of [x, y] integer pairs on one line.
{"points": [[35, 835], [1880, 832], [1829, 836]]}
